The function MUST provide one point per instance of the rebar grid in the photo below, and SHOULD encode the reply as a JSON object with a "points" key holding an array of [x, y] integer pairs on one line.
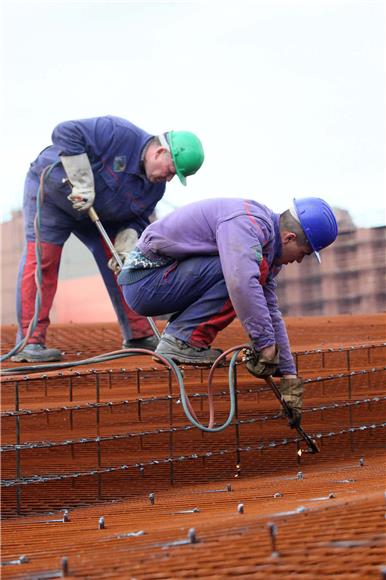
{"points": [[148, 400], [321, 353], [164, 409], [181, 458], [85, 440]]}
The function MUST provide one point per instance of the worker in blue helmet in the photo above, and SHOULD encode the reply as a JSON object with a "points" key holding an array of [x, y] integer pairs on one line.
{"points": [[318, 222], [215, 259], [119, 169]]}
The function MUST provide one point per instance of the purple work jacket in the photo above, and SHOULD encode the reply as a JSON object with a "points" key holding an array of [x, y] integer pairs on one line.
{"points": [[114, 147], [245, 235]]}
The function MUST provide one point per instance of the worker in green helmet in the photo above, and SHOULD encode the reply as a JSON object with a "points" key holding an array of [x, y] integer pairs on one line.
{"points": [[119, 169], [186, 152]]}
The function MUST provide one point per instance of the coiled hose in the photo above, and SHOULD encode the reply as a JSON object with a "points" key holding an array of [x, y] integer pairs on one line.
{"points": [[188, 409]]}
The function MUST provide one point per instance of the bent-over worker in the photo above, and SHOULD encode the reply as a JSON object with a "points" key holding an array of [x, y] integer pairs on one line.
{"points": [[214, 259], [121, 170]]}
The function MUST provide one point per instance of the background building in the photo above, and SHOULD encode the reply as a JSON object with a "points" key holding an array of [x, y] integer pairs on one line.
{"points": [[350, 279], [81, 294]]}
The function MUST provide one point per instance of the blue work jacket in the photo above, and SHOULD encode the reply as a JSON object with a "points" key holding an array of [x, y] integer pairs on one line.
{"points": [[114, 147]]}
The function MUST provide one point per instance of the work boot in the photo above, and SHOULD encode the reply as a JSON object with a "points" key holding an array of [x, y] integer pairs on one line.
{"points": [[37, 353], [183, 353], [148, 342]]}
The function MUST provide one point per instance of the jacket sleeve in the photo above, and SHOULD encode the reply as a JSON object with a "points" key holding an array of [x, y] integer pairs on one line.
{"points": [[92, 136], [241, 244], [287, 365]]}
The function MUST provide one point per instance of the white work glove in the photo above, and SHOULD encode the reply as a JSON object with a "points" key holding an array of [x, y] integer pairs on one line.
{"points": [[125, 241], [81, 178]]}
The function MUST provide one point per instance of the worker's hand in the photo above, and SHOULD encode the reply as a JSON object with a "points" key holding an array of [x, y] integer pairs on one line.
{"points": [[292, 392], [125, 241], [81, 199], [81, 178], [263, 363]]}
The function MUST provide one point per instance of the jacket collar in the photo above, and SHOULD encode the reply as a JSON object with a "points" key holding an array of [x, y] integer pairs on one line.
{"points": [[278, 247]]}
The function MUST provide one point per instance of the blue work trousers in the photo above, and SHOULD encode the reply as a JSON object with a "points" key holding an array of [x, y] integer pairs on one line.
{"points": [[194, 290], [55, 228]]}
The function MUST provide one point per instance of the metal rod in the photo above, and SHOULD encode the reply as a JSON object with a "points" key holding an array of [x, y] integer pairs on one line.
{"points": [[70, 390], [311, 444], [171, 434], [138, 381], [98, 444], [97, 401], [18, 467], [237, 425]]}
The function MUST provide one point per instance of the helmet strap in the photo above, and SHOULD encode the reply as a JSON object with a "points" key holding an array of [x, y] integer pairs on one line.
{"points": [[294, 213], [164, 142]]}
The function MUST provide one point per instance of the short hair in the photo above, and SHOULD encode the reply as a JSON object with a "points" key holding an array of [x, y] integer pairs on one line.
{"points": [[290, 224], [154, 141]]}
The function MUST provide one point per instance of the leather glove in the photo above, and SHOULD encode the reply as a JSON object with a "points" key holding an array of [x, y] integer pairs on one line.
{"points": [[292, 392], [81, 178], [260, 366], [125, 241]]}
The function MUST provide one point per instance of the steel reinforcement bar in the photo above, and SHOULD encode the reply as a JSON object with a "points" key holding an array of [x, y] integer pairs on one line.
{"points": [[322, 352], [262, 446], [124, 436], [170, 397]]}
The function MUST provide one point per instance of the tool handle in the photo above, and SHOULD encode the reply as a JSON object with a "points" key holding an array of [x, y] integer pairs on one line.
{"points": [[92, 214]]}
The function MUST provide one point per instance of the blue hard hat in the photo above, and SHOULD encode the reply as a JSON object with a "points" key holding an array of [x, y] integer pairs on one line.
{"points": [[318, 222]]}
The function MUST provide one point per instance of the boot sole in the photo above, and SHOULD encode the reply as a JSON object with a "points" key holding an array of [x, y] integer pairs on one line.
{"points": [[180, 360], [23, 358]]}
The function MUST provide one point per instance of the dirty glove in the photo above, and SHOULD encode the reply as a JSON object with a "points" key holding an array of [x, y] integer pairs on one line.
{"points": [[261, 366], [124, 243], [81, 178], [292, 392]]}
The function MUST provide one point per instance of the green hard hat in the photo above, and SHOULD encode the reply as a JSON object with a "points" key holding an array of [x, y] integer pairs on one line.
{"points": [[187, 153]]}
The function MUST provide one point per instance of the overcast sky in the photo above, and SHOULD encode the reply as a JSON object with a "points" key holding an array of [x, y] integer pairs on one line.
{"points": [[287, 96]]}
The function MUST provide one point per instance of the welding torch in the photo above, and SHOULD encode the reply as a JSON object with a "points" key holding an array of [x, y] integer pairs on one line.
{"points": [[311, 443]]}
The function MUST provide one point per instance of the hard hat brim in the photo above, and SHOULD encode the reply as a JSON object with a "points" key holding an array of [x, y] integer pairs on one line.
{"points": [[181, 177], [317, 256]]}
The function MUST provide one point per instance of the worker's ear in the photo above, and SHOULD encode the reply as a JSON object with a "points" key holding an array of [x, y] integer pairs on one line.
{"points": [[160, 151], [288, 237]]}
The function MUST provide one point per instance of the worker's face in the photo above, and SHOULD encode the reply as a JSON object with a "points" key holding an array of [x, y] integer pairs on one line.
{"points": [[159, 166], [292, 251]]}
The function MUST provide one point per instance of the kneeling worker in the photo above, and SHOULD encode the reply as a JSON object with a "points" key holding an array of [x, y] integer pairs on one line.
{"points": [[213, 260]]}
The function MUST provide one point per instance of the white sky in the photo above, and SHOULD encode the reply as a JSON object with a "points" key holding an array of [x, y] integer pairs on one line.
{"points": [[287, 96]]}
